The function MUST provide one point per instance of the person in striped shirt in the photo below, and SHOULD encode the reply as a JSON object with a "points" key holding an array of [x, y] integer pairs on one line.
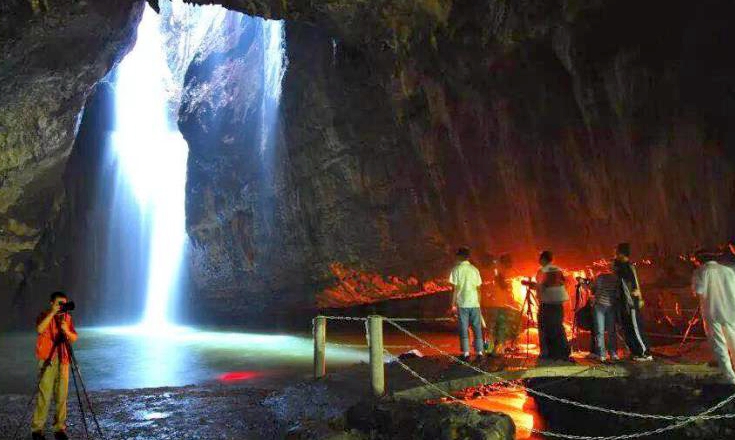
{"points": [[607, 291]]}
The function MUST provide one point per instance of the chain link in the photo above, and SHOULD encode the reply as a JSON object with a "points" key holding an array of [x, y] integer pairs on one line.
{"points": [[361, 318], [343, 318], [701, 416], [535, 392], [560, 399]]}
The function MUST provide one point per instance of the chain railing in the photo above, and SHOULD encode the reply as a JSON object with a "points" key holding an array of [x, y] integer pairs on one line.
{"points": [[377, 372], [705, 415], [546, 395]]}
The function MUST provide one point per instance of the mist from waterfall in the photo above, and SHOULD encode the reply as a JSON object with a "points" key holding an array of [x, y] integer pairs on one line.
{"points": [[147, 155]]}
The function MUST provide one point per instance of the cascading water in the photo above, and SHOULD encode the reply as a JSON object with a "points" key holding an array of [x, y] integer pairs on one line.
{"points": [[147, 237], [274, 67]]}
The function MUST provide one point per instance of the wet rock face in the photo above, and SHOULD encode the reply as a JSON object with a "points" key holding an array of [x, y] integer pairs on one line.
{"points": [[409, 420], [507, 127], [51, 60], [678, 396], [403, 131]]}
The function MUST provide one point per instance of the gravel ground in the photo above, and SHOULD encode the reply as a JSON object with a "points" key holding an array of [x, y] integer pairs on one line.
{"points": [[210, 412], [306, 409]]}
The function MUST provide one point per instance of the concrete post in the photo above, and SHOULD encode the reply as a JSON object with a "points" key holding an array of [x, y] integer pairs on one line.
{"points": [[377, 369], [320, 347]]}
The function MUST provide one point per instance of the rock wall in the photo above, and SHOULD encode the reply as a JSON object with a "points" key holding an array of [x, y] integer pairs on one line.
{"points": [[405, 128], [52, 58], [509, 127]]}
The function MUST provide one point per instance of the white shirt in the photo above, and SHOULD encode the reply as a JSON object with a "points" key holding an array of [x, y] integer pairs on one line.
{"points": [[715, 285], [466, 279]]}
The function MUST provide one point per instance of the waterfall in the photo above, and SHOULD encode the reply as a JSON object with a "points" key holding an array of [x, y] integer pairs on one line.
{"points": [[274, 67], [147, 158], [144, 258]]}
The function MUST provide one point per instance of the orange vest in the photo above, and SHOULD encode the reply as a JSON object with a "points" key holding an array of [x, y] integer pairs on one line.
{"points": [[45, 340]]}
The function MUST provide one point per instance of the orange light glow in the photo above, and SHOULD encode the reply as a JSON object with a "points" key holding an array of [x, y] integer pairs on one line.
{"points": [[517, 405], [519, 291], [236, 376]]}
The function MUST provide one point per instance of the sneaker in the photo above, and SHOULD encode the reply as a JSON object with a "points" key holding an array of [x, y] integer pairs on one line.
{"points": [[38, 436], [644, 358], [60, 435], [614, 357]]}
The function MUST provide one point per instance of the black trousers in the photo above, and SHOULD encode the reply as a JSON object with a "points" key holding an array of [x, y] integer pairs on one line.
{"points": [[552, 337], [632, 322]]}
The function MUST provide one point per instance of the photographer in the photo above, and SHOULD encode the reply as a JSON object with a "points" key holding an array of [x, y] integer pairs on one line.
{"points": [[552, 295], [55, 327]]}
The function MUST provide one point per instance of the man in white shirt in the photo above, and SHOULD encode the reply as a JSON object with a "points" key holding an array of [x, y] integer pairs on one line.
{"points": [[714, 283], [466, 301]]}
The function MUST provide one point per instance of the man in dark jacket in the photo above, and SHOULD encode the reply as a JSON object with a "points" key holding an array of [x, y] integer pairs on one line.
{"points": [[630, 305]]}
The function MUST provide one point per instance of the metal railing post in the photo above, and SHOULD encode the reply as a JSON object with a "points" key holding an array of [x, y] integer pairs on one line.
{"points": [[375, 340], [320, 347]]}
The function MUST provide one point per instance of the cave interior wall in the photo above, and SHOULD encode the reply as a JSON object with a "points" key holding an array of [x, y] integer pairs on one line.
{"points": [[507, 126]]}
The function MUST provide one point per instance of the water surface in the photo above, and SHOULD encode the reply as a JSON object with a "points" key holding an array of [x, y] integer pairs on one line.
{"points": [[135, 357]]}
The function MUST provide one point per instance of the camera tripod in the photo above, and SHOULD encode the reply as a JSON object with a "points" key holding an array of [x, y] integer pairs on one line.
{"points": [[575, 325], [696, 317], [527, 308], [76, 374]]}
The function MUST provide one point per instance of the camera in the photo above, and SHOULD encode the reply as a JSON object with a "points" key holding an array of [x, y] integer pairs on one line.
{"points": [[67, 307], [584, 281]]}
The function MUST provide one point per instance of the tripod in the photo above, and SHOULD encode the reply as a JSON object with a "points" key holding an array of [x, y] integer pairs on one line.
{"points": [[527, 308], [575, 325], [60, 343], [696, 317]]}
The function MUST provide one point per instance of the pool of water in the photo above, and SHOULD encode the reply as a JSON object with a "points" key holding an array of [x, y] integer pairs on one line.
{"points": [[135, 357]]}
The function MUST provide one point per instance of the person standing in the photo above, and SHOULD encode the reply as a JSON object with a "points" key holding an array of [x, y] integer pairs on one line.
{"points": [[552, 295], [714, 283], [607, 291], [55, 328], [497, 305], [630, 305], [465, 278]]}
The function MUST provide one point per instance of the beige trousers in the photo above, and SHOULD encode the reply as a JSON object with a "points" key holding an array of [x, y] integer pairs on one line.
{"points": [[55, 381]]}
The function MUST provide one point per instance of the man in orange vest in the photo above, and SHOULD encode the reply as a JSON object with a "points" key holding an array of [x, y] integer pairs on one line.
{"points": [[55, 328]]}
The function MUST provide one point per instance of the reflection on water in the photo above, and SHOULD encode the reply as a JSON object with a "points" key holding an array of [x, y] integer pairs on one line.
{"points": [[131, 357], [516, 404]]}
